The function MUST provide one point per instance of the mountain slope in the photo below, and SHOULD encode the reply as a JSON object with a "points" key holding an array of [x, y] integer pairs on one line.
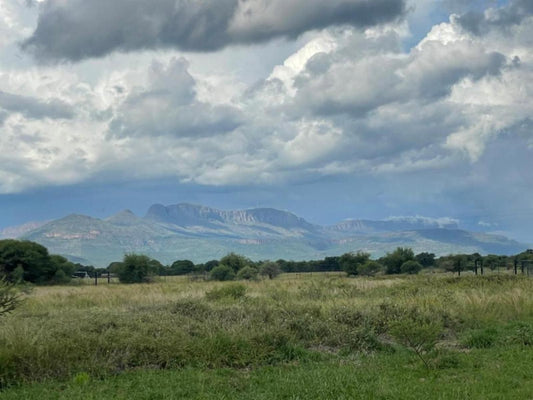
{"points": [[198, 233]]}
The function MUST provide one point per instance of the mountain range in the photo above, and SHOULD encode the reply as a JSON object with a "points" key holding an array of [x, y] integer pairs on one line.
{"points": [[199, 233]]}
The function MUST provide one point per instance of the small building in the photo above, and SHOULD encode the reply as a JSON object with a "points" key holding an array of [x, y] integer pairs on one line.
{"points": [[80, 275]]}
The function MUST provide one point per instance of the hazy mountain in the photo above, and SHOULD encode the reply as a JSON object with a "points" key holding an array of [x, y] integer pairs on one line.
{"points": [[254, 223], [198, 233], [393, 225], [17, 231]]}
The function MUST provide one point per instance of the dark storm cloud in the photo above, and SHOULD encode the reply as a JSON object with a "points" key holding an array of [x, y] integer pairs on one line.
{"points": [[480, 23], [34, 108], [78, 29]]}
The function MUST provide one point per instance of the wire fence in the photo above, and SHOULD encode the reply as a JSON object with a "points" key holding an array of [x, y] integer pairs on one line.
{"points": [[520, 267]]}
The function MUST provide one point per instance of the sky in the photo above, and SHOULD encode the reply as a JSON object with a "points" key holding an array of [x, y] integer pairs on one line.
{"points": [[330, 109]]}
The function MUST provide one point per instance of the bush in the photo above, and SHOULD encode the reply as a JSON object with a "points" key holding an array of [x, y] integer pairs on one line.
{"points": [[410, 267], [8, 297], [369, 268], [182, 267], [136, 268], [235, 261], [248, 273], [350, 262], [270, 269], [481, 339], [222, 273], [30, 262], [417, 331], [393, 261], [426, 259], [234, 291]]}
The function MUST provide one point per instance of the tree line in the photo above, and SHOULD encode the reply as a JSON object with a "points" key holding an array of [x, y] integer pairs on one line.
{"points": [[25, 261]]}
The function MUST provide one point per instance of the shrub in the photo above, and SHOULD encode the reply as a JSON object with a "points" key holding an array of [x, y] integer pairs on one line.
{"points": [[235, 261], [31, 262], [270, 269], [8, 297], [369, 268], [481, 339], [136, 268], [17, 276], [222, 273], [410, 267], [234, 291], [417, 331], [393, 261], [248, 273], [426, 259], [350, 262], [182, 267]]}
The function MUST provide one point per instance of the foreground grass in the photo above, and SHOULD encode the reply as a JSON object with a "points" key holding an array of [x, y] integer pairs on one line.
{"points": [[492, 374], [309, 336]]}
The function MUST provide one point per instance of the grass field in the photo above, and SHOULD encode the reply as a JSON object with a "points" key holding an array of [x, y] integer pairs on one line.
{"points": [[296, 337]]}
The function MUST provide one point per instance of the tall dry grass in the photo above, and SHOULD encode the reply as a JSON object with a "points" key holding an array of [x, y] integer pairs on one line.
{"points": [[63, 330]]}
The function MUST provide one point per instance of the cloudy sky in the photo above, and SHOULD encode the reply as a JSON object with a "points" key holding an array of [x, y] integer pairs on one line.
{"points": [[331, 109]]}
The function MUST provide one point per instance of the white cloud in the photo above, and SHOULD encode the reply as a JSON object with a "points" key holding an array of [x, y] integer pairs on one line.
{"points": [[346, 102]]}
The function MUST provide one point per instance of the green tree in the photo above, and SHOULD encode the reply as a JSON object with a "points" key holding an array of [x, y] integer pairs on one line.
{"points": [[235, 261], [63, 269], [17, 276], [369, 268], [411, 267], [349, 262], [270, 269], [426, 259], [222, 273], [454, 263], [208, 266], [182, 267], [247, 273], [393, 261], [30, 262], [136, 268], [31, 257], [491, 261], [115, 267]]}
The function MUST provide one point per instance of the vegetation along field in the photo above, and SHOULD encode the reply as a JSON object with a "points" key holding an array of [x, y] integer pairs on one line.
{"points": [[299, 336]]}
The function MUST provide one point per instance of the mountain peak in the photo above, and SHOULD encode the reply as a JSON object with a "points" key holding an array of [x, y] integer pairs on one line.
{"points": [[124, 217], [200, 233], [186, 214]]}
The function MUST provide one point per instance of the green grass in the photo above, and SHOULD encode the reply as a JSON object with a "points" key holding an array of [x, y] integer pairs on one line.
{"points": [[307, 336], [495, 374]]}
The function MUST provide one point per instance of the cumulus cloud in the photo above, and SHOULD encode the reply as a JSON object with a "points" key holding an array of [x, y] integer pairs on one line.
{"points": [[35, 108], [169, 106], [76, 30], [344, 84], [10, 26], [502, 18], [346, 103]]}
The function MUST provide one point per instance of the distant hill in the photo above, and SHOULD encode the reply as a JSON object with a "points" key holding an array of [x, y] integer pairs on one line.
{"points": [[17, 231], [199, 233]]}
